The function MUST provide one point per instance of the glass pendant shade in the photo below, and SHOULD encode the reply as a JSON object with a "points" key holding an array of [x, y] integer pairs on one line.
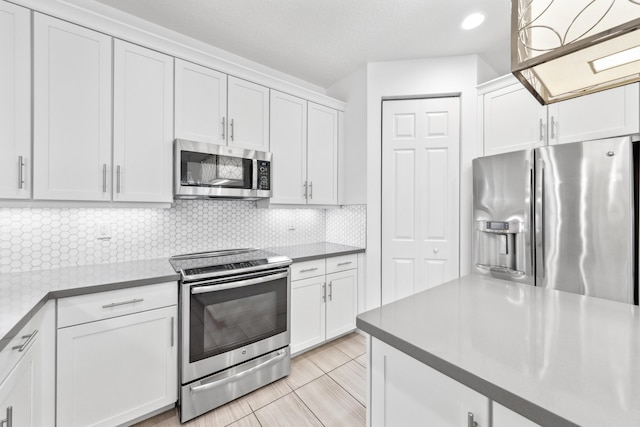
{"points": [[561, 49]]}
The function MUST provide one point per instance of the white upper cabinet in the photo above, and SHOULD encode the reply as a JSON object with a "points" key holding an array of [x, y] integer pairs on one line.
{"points": [[322, 155], [200, 104], [248, 115], [72, 111], [289, 148], [612, 112], [15, 102], [513, 120], [142, 124]]}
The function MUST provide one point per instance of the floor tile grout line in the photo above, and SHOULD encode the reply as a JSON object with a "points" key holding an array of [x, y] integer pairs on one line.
{"points": [[307, 406], [347, 391]]}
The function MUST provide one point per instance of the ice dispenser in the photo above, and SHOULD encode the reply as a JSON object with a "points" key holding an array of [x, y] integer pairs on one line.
{"points": [[500, 248]]}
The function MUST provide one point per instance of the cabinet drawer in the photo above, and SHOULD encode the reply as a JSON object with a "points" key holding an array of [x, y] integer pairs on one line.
{"points": [[341, 263], [302, 270], [23, 341], [104, 305]]}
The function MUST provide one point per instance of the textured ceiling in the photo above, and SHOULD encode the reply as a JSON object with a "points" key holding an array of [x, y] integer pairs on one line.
{"points": [[321, 41]]}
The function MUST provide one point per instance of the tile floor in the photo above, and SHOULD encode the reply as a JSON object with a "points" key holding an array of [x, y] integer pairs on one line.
{"points": [[326, 387]]}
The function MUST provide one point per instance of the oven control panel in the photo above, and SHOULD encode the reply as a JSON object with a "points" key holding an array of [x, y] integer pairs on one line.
{"points": [[225, 267]]}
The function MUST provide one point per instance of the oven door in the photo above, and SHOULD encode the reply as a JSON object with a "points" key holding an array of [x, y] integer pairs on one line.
{"points": [[230, 320]]}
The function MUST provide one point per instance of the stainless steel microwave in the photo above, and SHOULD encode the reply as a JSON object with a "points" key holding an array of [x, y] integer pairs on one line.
{"points": [[203, 170]]}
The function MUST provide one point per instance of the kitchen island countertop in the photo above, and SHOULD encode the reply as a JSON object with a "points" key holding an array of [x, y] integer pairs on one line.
{"points": [[554, 357]]}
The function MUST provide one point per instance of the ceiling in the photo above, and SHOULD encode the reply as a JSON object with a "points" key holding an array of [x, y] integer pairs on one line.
{"points": [[321, 41]]}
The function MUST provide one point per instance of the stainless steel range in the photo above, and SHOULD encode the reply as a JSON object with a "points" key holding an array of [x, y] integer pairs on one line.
{"points": [[235, 325]]}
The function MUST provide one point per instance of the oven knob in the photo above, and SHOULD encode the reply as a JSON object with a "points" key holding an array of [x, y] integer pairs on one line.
{"points": [[244, 351]]}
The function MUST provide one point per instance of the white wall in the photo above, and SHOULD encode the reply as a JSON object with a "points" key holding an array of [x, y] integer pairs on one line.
{"points": [[410, 78]]}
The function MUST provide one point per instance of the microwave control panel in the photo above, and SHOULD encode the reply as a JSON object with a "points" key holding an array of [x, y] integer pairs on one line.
{"points": [[264, 175]]}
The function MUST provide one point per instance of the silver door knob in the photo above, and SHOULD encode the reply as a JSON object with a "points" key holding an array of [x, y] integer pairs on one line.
{"points": [[436, 250]]}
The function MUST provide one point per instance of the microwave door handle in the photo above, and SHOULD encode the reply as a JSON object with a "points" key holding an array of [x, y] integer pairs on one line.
{"points": [[254, 184], [231, 285]]}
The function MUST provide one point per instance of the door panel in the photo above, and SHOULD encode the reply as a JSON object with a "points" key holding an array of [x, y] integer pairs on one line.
{"points": [[420, 187], [72, 84], [15, 101]]}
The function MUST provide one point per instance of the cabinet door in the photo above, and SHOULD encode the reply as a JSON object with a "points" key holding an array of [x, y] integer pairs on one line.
{"points": [[289, 148], [342, 301], [115, 370], [512, 120], [406, 392], [248, 107], [200, 104], [322, 155], [17, 393], [613, 112], [307, 313], [72, 111], [142, 125], [15, 102], [503, 417]]}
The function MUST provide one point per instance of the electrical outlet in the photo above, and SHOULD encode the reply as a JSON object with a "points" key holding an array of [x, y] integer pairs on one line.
{"points": [[291, 227], [103, 231]]}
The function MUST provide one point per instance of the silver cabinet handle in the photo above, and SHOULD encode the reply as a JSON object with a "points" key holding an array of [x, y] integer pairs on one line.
{"points": [[232, 378], [116, 304], [324, 292], [171, 331], [232, 132], [306, 270], [470, 421], [104, 178], [553, 125], [344, 263], [20, 172], [8, 422], [304, 186], [311, 190], [541, 131], [118, 178], [331, 291], [24, 345], [223, 127]]}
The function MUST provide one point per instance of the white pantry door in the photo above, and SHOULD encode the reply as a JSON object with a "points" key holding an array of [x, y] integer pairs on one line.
{"points": [[420, 192]]}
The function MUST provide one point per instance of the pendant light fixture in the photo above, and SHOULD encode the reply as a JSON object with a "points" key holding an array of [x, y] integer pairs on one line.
{"points": [[561, 49]]}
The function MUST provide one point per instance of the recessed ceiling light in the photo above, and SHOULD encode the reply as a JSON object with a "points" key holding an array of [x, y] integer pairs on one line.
{"points": [[472, 21]]}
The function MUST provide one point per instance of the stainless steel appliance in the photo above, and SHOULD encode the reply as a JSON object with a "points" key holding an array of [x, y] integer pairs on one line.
{"points": [[564, 217], [203, 171], [234, 323]]}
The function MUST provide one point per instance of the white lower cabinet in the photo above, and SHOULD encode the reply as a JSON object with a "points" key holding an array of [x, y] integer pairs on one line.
{"points": [[114, 370], [406, 392], [27, 373], [323, 300]]}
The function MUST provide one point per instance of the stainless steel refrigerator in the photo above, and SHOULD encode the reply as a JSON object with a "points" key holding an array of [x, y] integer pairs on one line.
{"points": [[563, 217]]}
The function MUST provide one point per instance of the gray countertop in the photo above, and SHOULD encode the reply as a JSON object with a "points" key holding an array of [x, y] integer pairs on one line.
{"points": [[312, 251], [557, 358], [23, 294]]}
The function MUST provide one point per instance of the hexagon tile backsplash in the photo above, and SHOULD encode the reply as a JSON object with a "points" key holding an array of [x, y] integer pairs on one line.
{"points": [[36, 239]]}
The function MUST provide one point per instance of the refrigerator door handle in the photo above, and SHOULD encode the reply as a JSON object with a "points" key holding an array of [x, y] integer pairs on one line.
{"points": [[538, 220], [531, 223]]}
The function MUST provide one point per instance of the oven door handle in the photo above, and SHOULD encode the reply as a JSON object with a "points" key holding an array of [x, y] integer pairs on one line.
{"points": [[231, 285], [281, 354]]}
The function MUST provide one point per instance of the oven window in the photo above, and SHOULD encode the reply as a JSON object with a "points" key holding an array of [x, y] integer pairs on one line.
{"points": [[212, 170], [229, 319]]}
